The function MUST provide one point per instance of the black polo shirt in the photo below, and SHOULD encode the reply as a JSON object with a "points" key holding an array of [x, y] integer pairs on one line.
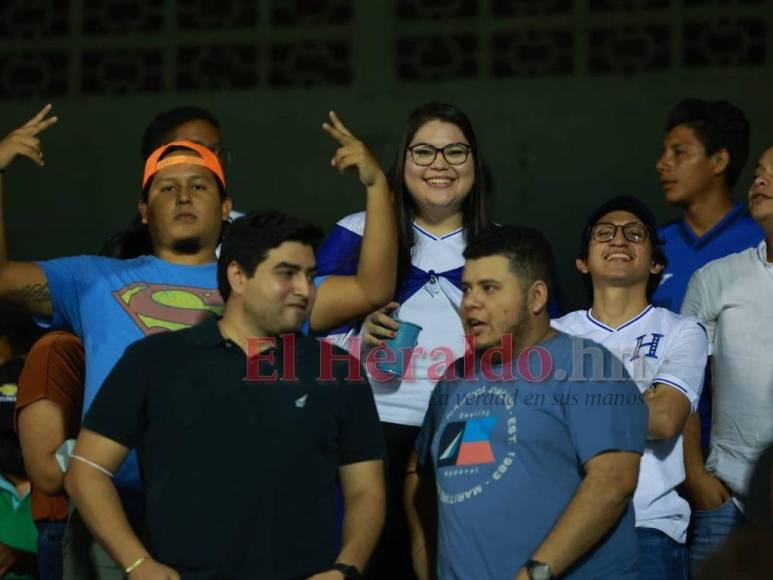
{"points": [[239, 476]]}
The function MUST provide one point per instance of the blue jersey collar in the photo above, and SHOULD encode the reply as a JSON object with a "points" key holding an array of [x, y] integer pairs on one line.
{"points": [[738, 212]]}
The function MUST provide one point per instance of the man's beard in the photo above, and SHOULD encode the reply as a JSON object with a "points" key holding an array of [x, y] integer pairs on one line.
{"points": [[517, 332], [187, 246]]}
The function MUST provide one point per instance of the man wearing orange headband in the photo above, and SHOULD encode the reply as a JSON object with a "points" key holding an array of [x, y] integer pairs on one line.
{"points": [[112, 303]]}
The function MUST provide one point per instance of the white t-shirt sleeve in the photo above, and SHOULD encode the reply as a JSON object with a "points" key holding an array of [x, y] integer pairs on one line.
{"points": [[698, 303], [685, 361]]}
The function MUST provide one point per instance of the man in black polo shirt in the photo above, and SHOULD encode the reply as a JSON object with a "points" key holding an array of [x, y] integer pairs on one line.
{"points": [[239, 455]]}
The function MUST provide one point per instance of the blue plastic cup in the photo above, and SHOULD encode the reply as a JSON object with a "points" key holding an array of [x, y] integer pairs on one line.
{"points": [[402, 345]]}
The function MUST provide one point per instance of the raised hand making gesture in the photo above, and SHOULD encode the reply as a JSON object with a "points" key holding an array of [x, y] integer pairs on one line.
{"points": [[24, 141], [342, 298], [353, 153]]}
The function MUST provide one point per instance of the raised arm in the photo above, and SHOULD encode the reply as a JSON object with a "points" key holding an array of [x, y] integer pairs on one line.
{"points": [[23, 280], [602, 496], [91, 489], [344, 298]]}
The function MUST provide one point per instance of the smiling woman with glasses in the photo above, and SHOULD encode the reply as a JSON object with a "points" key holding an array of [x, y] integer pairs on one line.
{"points": [[438, 189]]}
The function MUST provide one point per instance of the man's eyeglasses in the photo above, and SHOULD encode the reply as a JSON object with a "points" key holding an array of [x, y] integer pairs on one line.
{"points": [[605, 232], [424, 154]]}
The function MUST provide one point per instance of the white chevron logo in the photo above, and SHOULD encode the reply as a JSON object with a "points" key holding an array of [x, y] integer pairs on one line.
{"points": [[300, 403], [450, 449]]}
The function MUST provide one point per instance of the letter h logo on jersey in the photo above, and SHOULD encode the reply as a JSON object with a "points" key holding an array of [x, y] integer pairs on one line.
{"points": [[652, 352]]}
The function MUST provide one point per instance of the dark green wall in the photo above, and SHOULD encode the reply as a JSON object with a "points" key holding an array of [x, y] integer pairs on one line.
{"points": [[558, 137]]}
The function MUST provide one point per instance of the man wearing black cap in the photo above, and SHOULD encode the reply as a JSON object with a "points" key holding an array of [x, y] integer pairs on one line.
{"points": [[622, 260]]}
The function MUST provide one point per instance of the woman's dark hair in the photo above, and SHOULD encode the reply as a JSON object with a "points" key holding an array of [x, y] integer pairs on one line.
{"points": [[474, 213]]}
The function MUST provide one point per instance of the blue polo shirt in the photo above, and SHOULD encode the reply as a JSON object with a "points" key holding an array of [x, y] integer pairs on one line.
{"points": [[687, 252]]}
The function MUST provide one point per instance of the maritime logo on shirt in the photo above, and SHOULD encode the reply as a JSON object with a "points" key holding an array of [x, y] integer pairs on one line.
{"points": [[161, 307], [476, 446], [467, 442]]}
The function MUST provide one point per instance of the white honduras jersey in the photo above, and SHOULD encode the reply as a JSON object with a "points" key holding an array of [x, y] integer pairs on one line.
{"points": [[431, 299], [656, 346]]}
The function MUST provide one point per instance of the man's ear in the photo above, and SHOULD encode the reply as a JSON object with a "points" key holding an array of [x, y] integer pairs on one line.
{"points": [[656, 268], [537, 296], [582, 265], [143, 209], [227, 206], [720, 160], [236, 278]]}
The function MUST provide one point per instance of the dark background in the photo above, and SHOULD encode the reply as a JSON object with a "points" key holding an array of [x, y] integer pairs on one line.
{"points": [[569, 98]]}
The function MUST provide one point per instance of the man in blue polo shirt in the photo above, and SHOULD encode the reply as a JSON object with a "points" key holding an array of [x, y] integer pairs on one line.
{"points": [[704, 152]]}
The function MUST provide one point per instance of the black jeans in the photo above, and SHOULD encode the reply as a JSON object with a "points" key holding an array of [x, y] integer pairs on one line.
{"points": [[392, 557]]}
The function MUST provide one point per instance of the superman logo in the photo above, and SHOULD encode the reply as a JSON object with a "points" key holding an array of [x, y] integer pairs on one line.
{"points": [[160, 307]]}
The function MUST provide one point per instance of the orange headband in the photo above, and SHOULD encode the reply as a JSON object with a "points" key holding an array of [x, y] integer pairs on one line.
{"points": [[208, 159]]}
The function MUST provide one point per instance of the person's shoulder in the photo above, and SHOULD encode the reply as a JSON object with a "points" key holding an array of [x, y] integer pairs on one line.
{"points": [[57, 339], [160, 344], [318, 354], [354, 223], [58, 343], [572, 322], [728, 265], [85, 264], [669, 229], [665, 317], [683, 325]]}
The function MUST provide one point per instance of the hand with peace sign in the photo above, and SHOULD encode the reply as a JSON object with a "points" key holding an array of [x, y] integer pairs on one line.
{"points": [[24, 140], [353, 153]]}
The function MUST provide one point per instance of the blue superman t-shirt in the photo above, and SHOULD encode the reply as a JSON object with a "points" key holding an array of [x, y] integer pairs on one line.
{"points": [[112, 303], [508, 456]]}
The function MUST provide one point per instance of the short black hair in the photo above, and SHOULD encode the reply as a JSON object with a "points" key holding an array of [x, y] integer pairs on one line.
{"points": [[529, 253], [162, 128], [250, 238], [718, 125]]}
